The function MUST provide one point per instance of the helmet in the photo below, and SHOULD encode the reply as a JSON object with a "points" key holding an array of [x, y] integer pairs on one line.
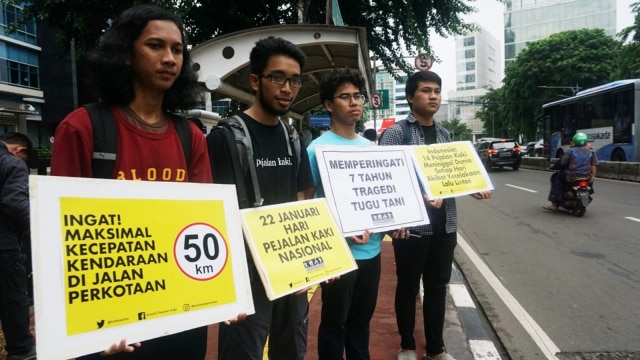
{"points": [[580, 139]]}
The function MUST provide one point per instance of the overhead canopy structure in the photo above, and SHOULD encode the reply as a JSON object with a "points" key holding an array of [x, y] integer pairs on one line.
{"points": [[223, 62]]}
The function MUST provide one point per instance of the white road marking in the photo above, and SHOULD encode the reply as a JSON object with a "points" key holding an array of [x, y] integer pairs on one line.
{"points": [[632, 218], [483, 349], [460, 296], [521, 188], [546, 345]]}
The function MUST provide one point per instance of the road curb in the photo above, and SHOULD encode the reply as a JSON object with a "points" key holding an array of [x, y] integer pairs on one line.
{"points": [[479, 342]]}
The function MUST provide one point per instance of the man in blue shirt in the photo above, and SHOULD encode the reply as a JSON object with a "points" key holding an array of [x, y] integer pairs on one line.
{"points": [[349, 302]]}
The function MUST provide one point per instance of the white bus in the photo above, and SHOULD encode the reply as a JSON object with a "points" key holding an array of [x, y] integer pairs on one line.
{"points": [[606, 113]]}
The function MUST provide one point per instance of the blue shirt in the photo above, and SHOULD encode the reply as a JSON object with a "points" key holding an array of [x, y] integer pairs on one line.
{"points": [[359, 251]]}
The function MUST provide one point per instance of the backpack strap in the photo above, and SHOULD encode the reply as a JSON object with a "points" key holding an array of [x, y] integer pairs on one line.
{"points": [[406, 131], [245, 140], [293, 139], [105, 139], [184, 133]]}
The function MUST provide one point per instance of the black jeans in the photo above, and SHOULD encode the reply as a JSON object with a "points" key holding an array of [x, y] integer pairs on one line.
{"points": [[429, 257], [285, 320], [188, 345], [348, 305], [14, 302]]}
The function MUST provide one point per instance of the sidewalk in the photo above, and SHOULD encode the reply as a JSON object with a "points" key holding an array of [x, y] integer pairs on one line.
{"points": [[464, 333], [385, 341]]}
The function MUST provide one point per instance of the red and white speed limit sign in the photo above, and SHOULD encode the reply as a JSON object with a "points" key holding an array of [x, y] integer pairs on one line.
{"points": [[376, 101], [423, 62]]}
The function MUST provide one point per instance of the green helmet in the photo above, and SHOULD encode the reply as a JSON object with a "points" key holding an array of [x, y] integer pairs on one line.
{"points": [[580, 139]]}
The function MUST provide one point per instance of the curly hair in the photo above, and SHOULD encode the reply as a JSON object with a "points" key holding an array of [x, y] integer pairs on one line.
{"points": [[330, 82], [109, 67], [271, 46]]}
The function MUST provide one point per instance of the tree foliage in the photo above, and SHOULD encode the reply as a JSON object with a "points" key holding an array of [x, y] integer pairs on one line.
{"points": [[394, 27], [457, 129], [571, 59], [629, 67]]}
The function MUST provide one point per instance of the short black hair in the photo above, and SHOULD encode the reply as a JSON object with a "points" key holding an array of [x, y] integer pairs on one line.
{"points": [[16, 138], [414, 79], [271, 46], [330, 82], [370, 134], [109, 63]]}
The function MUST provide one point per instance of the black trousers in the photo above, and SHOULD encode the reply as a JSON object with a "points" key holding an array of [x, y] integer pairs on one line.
{"points": [[348, 305], [429, 258], [285, 320], [14, 302], [187, 345]]}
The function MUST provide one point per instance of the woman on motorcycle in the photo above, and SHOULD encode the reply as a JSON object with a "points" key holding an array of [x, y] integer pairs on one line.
{"points": [[579, 161]]}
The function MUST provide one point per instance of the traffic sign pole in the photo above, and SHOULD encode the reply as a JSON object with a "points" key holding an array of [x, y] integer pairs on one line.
{"points": [[423, 62]]}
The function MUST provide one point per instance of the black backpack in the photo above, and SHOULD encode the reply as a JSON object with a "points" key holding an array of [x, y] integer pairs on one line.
{"points": [[105, 138], [231, 156], [406, 132]]}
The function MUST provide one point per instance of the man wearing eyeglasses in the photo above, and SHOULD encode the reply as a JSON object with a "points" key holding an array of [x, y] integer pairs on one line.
{"points": [[348, 303], [276, 77]]}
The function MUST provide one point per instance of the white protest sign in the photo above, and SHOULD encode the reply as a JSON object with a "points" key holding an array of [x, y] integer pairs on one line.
{"points": [[136, 260], [371, 188]]}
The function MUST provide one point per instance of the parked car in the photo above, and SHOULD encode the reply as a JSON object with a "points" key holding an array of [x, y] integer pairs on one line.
{"points": [[500, 153], [535, 148]]}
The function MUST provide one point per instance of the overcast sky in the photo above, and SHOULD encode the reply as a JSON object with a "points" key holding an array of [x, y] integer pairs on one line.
{"points": [[490, 16]]}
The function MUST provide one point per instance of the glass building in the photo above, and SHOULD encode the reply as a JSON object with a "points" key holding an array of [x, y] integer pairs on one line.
{"points": [[20, 88], [531, 20]]}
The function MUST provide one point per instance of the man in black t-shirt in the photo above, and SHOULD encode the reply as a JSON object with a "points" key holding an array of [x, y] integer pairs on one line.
{"points": [[276, 77]]}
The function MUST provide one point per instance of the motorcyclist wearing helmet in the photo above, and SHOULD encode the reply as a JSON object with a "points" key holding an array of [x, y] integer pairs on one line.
{"points": [[579, 161]]}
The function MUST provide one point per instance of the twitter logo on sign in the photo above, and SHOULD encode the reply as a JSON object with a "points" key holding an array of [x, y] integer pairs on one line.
{"points": [[100, 324]]}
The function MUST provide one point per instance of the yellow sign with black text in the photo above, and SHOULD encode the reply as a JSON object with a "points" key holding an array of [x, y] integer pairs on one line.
{"points": [[295, 245], [450, 169], [124, 263], [132, 260]]}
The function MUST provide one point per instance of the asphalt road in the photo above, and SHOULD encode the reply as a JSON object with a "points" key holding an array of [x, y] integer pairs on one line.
{"points": [[551, 284]]}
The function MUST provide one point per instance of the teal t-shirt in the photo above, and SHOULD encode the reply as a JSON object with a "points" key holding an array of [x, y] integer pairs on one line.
{"points": [[360, 252]]}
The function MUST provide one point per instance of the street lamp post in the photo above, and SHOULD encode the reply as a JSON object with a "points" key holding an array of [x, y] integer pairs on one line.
{"points": [[375, 91], [493, 130]]}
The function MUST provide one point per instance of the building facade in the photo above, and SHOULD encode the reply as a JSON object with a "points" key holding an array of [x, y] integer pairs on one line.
{"points": [[21, 95], [531, 20], [478, 71]]}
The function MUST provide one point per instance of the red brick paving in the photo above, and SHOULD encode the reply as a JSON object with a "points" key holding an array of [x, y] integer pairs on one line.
{"points": [[385, 341]]}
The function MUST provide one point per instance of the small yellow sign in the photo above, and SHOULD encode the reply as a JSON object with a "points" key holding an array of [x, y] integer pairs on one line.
{"points": [[450, 169], [295, 245], [131, 260]]}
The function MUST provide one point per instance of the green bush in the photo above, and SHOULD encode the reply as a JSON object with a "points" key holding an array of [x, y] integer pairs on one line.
{"points": [[43, 152]]}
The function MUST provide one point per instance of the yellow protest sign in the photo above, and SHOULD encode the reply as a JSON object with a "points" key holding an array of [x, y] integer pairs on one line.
{"points": [[135, 260], [117, 258], [450, 169], [295, 245]]}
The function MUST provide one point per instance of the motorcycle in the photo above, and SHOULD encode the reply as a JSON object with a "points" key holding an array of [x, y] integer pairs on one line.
{"points": [[576, 193]]}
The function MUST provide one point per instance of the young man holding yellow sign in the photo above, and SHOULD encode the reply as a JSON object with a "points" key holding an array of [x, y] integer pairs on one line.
{"points": [[428, 253], [276, 77]]}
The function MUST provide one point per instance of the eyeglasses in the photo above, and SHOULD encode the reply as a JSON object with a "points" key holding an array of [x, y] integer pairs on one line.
{"points": [[359, 98], [280, 79]]}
